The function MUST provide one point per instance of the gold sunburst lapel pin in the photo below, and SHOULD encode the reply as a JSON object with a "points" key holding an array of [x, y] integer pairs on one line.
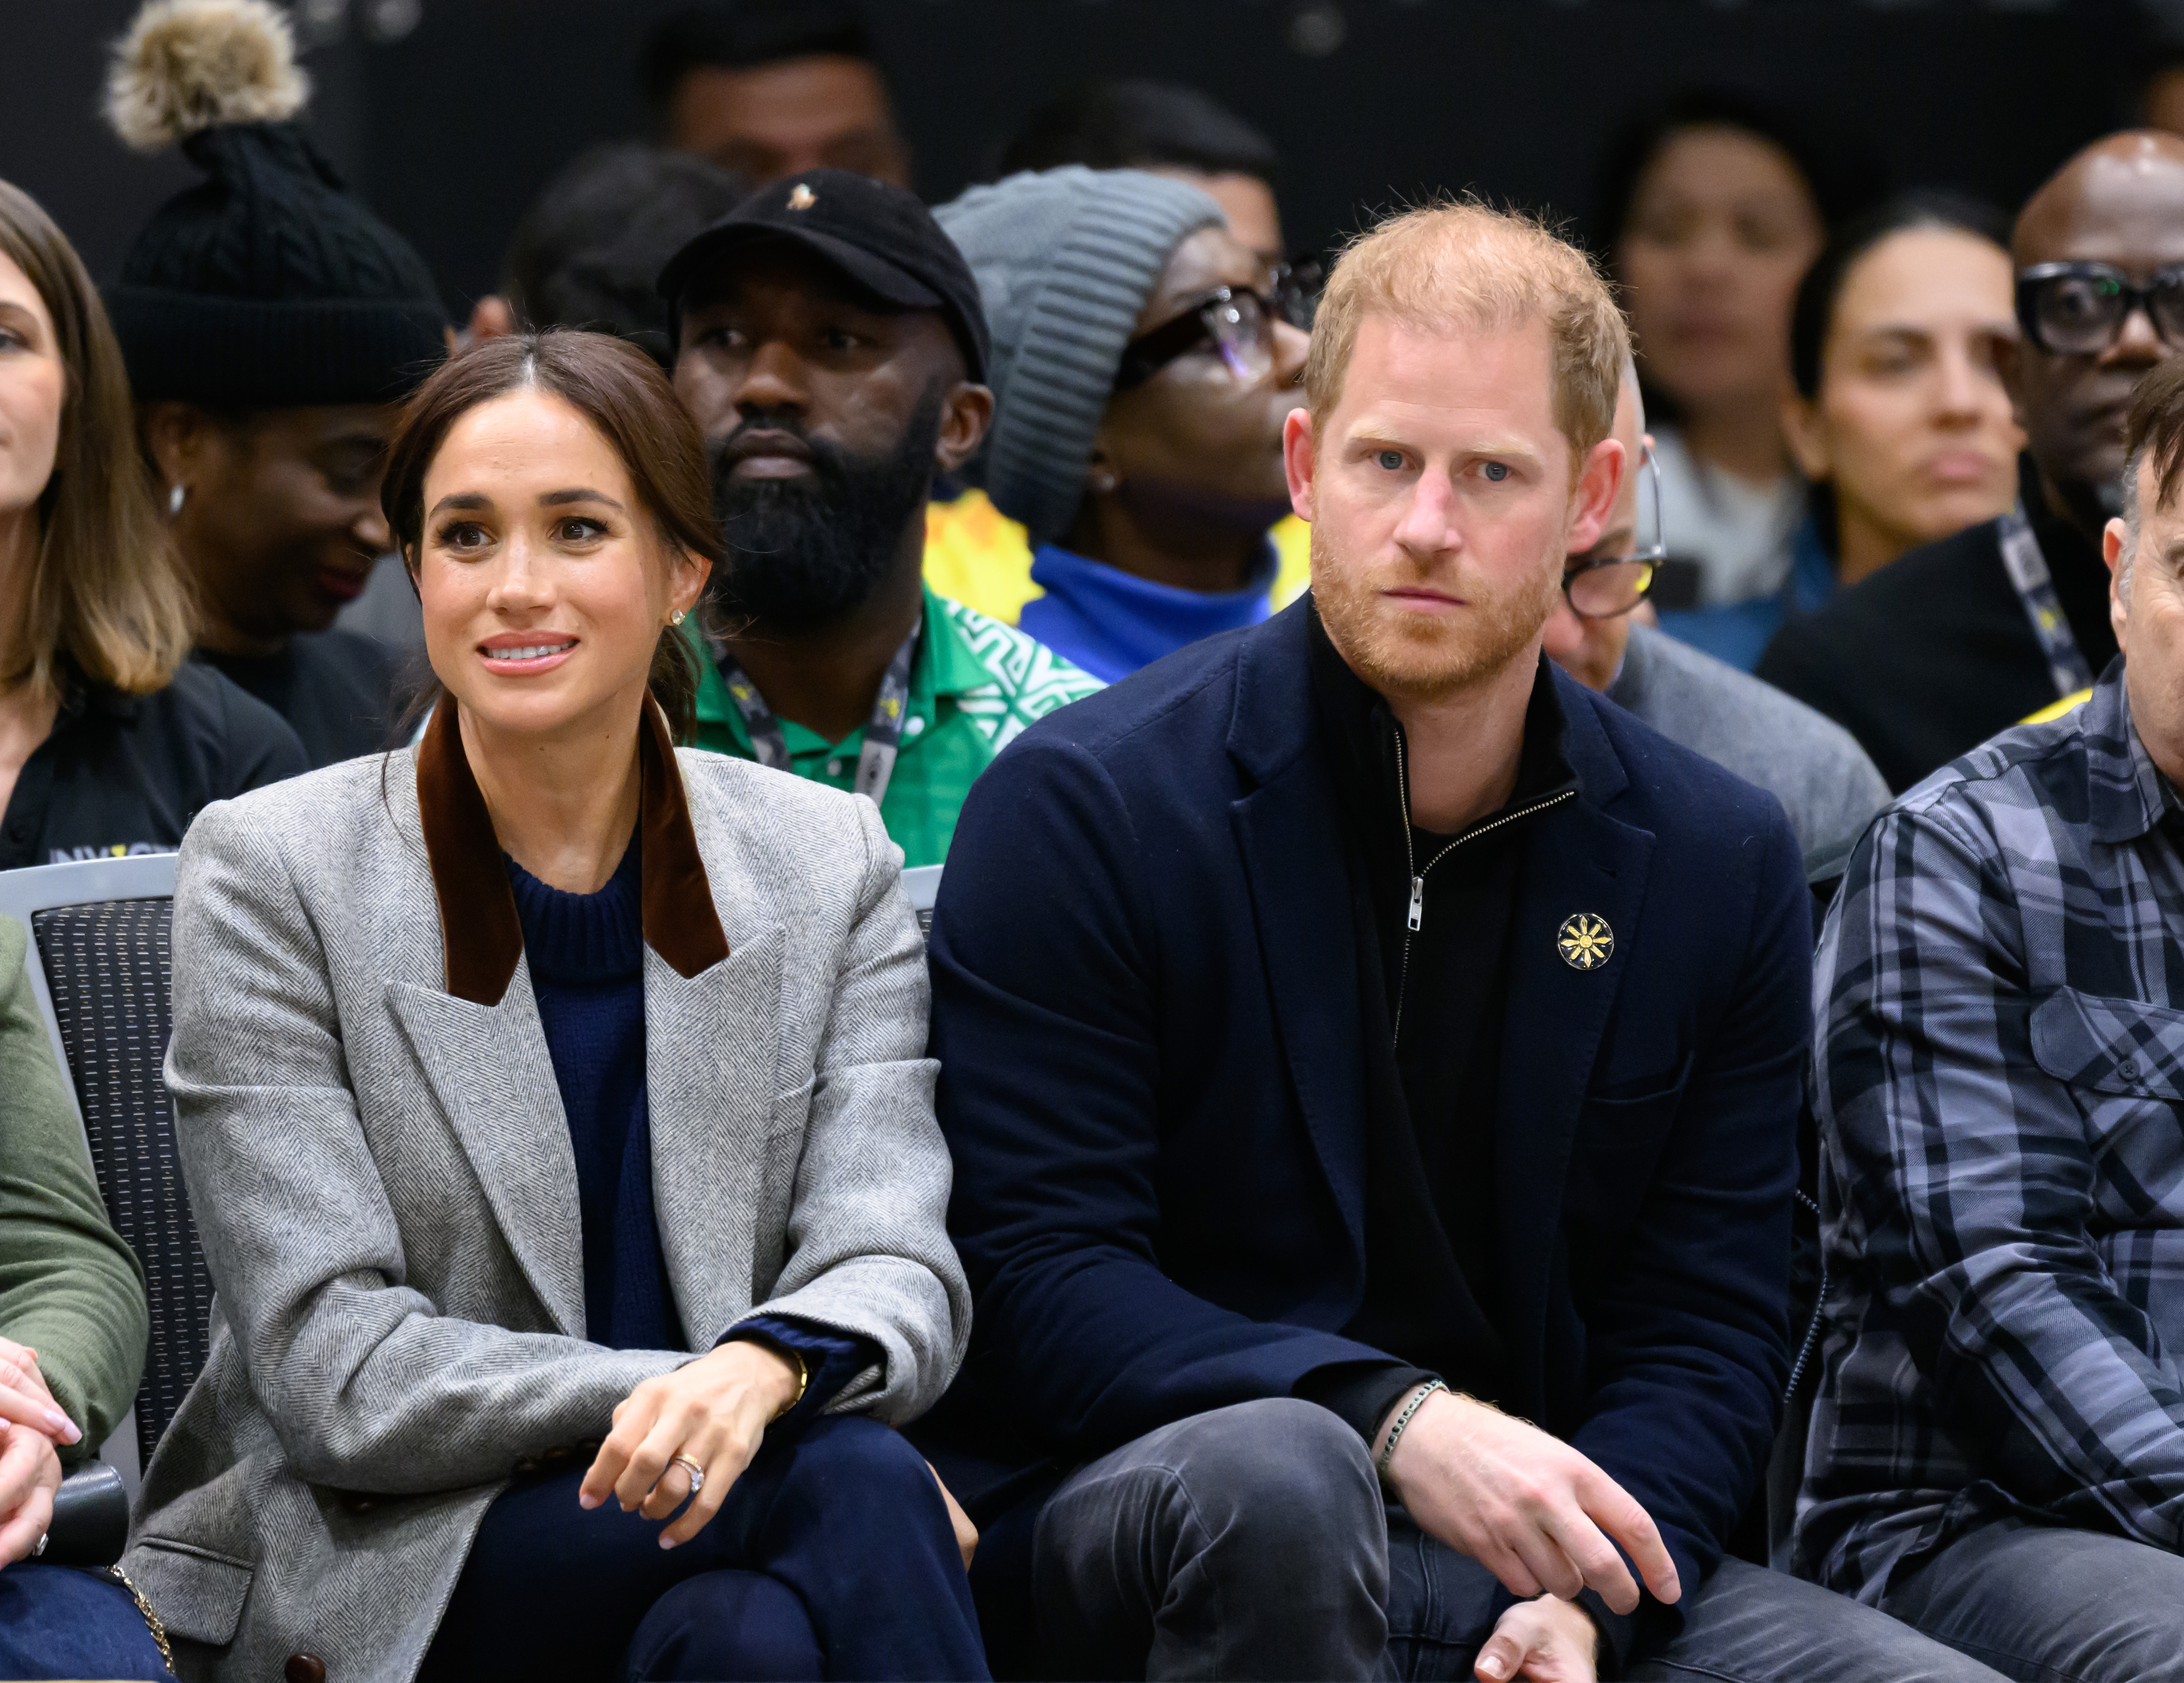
{"points": [[1585, 941]]}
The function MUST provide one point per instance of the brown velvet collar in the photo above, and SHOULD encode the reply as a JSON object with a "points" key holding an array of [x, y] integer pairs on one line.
{"points": [[478, 925]]}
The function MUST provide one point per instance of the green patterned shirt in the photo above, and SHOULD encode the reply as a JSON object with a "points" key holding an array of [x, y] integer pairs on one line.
{"points": [[975, 684]]}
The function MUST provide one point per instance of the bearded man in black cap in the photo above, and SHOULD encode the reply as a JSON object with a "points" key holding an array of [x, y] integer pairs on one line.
{"points": [[270, 323], [830, 340]]}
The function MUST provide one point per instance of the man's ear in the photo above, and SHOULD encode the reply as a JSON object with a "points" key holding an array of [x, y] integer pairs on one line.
{"points": [[2116, 539], [1299, 454], [1592, 503], [966, 417]]}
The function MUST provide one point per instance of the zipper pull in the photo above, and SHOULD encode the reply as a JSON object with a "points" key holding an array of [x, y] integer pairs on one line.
{"points": [[1418, 902]]}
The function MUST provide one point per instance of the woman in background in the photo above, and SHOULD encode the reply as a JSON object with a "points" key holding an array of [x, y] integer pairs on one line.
{"points": [[1716, 208], [1144, 361], [1899, 418], [272, 326], [110, 740]]}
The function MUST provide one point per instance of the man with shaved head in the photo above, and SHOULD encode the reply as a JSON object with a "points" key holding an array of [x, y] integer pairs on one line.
{"points": [[1956, 640]]}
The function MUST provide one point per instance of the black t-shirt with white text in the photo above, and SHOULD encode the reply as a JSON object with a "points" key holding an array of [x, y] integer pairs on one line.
{"points": [[125, 774]]}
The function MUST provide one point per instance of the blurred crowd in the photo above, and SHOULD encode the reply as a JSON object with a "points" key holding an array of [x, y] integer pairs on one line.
{"points": [[1871, 462]]}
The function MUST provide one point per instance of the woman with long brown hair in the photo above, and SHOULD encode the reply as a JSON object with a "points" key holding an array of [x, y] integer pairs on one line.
{"points": [[109, 739], [556, 1117]]}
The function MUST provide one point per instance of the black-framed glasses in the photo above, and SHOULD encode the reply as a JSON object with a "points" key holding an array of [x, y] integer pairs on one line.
{"points": [[2079, 308], [1235, 323], [1605, 587]]}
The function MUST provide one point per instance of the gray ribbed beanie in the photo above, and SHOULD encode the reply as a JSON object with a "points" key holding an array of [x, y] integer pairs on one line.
{"points": [[1065, 260]]}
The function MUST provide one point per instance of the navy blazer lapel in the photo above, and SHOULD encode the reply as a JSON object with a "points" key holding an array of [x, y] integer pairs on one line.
{"points": [[1579, 863], [1292, 847]]}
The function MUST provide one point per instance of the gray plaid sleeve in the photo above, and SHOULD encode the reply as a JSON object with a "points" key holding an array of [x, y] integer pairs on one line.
{"points": [[1965, 1183]]}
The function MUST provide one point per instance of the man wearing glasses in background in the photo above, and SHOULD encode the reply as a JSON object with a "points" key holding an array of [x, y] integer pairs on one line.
{"points": [[1144, 361], [1960, 639], [1813, 766]]}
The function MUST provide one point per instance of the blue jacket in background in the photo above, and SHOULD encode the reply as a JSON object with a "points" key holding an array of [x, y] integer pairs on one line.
{"points": [[1154, 1076]]}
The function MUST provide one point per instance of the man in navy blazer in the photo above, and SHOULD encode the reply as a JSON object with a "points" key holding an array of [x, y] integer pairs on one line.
{"points": [[1359, 1042]]}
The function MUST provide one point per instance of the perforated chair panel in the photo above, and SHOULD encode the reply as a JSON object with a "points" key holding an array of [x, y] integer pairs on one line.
{"points": [[108, 966]]}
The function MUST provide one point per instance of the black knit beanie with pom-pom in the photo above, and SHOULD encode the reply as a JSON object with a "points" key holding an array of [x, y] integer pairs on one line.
{"points": [[266, 286]]}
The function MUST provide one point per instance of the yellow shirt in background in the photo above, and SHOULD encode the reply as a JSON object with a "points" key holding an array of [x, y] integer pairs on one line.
{"points": [[977, 555]]}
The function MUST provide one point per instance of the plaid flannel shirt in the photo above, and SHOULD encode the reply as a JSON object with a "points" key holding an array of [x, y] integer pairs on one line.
{"points": [[1999, 1083]]}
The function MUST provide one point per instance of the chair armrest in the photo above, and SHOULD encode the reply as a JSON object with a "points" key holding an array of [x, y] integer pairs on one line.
{"points": [[91, 1518]]}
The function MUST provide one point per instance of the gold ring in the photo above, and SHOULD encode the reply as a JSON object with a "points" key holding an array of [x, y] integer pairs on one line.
{"points": [[697, 1473]]}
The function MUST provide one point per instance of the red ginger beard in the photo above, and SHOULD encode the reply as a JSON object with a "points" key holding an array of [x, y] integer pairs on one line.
{"points": [[1423, 657]]}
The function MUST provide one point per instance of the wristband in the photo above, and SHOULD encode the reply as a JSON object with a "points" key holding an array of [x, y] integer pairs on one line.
{"points": [[1403, 1419]]}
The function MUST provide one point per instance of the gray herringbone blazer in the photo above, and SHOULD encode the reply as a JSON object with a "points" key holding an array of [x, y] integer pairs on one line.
{"points": [[382, 1178]]}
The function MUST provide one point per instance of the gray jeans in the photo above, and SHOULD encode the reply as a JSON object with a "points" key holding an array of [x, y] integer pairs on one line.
{"points": [[2046, 1604], [1253, 1542]]}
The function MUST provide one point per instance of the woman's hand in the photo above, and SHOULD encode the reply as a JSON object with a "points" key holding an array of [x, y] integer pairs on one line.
{"points": [[715, 1410], [1545, 1640], [25, 1397], [30, 1474]]}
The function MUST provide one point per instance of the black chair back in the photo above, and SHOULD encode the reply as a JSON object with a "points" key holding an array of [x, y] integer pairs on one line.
{"points": [[109, 966]]}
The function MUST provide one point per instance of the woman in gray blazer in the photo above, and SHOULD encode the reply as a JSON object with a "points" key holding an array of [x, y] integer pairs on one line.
{"points": [[554, 1110]]}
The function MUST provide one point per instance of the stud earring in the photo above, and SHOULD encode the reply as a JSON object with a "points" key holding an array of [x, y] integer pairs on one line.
{"points": [[176, 498], [1104, 483], [675, 618]]}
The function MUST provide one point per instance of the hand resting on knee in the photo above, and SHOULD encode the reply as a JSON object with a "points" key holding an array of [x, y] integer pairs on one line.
{"points": [[1531, 1510], [713, 1410], [1546, 1640]]}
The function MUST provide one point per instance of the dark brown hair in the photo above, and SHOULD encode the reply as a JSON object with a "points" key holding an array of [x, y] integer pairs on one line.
{"points": [[106, 586], [2155, 432], [621, 391]]}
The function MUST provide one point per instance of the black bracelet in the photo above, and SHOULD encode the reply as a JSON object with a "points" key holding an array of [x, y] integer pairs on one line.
{"points": [[1403, 1419]]}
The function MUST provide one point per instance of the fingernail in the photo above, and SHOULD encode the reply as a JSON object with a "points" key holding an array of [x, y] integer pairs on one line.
{"points": [[667, 1542], [1492, 1668], [587, 1501], [60, 1423]]}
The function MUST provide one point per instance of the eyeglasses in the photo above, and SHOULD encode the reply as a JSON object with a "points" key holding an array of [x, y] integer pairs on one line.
{"points": [[1236, 323], [2079, 308], [1606, 587]]}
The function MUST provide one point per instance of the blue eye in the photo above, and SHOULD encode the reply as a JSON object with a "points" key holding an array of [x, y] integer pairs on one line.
{"points": [[1390, 460], [1495, 471]]}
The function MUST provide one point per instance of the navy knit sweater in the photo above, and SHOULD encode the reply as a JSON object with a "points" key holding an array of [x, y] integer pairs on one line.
{"points": [[587, 954]]}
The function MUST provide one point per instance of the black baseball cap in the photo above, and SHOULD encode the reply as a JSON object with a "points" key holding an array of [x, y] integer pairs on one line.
{"points": [[882, 238]]}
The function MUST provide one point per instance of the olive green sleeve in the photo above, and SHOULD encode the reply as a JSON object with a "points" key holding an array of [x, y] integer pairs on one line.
{"points": [[70, 1288]]}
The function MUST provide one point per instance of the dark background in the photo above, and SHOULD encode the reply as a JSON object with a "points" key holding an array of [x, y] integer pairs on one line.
{"points": [[448, 115]]}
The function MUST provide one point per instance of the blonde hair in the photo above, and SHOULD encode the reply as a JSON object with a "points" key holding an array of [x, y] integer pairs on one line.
{"points": [[106, 587], [1464, 264]]}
